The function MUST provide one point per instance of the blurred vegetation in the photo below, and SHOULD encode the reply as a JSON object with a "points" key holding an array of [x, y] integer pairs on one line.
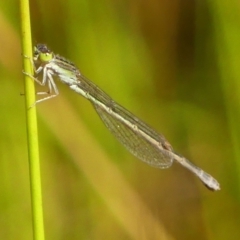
{"points": [[175, 64]]}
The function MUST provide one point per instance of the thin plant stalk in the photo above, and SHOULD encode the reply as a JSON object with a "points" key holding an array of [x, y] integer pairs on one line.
{"points": [[31, 119]]}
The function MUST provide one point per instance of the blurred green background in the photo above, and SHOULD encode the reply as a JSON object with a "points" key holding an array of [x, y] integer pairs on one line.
{"points": [[175, 64]]}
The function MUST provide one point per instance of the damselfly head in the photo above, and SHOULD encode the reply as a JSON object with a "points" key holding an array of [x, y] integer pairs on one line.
{"points": [[42, 53]]}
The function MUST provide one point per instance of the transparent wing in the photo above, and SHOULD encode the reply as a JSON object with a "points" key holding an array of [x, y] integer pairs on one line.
{"points": [[153, 150], [131, 138]]}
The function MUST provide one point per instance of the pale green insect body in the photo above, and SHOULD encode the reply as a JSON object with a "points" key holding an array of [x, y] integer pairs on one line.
{"points": [[140, 139]]}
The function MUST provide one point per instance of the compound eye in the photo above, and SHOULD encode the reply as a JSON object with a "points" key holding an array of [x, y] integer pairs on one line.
{"points": [[36, 53], [42, 53]]}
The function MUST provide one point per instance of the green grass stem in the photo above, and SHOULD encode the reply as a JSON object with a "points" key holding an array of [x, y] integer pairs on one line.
{"points": [[32, 132]]}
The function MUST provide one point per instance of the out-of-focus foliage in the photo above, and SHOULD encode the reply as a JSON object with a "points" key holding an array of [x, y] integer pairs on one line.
{"points": [[174, 64]]}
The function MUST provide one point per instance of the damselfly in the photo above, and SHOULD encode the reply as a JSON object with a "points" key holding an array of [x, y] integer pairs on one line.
{"points": [[140, 139]]}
